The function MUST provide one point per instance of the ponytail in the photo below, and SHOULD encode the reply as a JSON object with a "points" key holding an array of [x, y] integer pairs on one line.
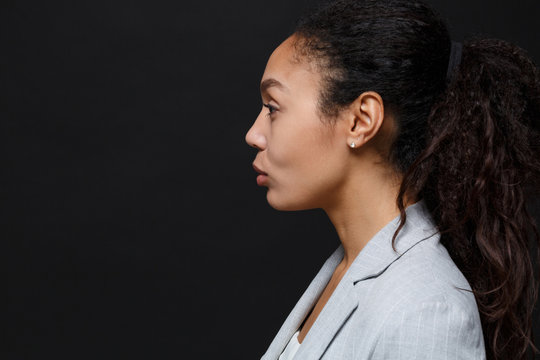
{"points": [[480, 165]]}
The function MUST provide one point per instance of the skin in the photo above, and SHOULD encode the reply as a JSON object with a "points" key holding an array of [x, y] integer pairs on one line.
{"points": [[311, 165]]}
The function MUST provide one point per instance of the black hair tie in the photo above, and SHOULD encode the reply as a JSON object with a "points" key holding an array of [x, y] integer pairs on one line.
{"points": [[455, 59]]}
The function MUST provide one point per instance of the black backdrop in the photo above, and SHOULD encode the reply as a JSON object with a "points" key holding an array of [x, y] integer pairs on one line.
{"points": [[132, 225]]}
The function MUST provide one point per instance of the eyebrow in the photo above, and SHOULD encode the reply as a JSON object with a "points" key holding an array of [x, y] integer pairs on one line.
{"points": [[271, 82]]}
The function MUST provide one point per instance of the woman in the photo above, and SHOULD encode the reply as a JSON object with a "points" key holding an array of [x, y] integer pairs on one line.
{"points": [[421, 151]]}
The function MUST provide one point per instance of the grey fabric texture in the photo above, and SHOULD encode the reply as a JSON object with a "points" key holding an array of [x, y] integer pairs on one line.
{"points": [[409, 304]]}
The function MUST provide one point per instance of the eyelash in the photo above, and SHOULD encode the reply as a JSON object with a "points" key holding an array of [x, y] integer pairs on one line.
{"points": [[271, 109]]}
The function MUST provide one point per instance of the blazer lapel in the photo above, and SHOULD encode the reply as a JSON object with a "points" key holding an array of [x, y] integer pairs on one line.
{"points": [[303, 306], [341, 304]]}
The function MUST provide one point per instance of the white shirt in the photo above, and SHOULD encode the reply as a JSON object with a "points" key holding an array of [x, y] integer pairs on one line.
{"points": [[291, 348]]}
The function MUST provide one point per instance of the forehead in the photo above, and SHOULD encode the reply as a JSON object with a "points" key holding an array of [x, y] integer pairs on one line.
{"points": [[285, 66]]}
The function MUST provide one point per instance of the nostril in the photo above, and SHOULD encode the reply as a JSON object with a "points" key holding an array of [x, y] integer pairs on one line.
{"points": [[255, 140]]}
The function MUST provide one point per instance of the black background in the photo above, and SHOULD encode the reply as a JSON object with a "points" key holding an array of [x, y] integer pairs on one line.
{"points": [[132, 223]]}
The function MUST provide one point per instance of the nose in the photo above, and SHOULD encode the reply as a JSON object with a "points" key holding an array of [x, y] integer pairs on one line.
{"points": [[255, 136]]}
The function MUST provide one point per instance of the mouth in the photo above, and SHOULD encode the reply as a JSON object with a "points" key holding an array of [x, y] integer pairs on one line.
{"points": [[262, 178], [259, 170]]}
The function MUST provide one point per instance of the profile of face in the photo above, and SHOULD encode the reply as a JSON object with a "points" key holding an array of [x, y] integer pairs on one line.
{"points": [[306, 160]]}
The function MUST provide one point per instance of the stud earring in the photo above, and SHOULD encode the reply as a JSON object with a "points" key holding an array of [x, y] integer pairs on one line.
{"points": [[353, 144]]}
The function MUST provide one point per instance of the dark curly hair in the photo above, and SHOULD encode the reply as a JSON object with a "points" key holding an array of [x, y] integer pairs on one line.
{"points": [[468, 146]]}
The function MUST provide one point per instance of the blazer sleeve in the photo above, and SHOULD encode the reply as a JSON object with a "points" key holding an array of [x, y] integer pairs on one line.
{"points": [[431, 330]]}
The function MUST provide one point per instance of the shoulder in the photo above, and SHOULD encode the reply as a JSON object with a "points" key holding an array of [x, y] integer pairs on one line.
{"points": [[430, 330], [422, 305], [424, 274]]}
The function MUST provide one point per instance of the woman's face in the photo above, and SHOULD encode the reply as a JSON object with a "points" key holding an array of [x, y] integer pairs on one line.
{"points": [[304, 160]]}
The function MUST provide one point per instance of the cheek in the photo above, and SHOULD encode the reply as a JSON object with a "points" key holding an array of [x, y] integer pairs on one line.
{"points": [[310, 172], [291, 143], [300, 152]]}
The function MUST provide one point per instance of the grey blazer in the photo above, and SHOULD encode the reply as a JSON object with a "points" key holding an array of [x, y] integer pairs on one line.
{"points": [[413, 304]]}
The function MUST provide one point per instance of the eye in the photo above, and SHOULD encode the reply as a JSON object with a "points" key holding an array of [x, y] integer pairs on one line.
{"points": [[271, 109]]}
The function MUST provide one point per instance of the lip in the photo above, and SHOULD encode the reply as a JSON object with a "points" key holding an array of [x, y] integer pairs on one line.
{"points": [[259, 170], [262, 178]]}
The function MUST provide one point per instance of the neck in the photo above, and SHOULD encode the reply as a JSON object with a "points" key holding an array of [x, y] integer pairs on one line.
{"points": [[363, 208]]}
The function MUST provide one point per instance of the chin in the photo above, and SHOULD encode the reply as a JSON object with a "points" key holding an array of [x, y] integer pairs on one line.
{"points": [[286, 204]]}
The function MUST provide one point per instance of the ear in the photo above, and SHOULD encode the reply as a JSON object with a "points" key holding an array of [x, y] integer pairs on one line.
{"points": [[364, 118]]}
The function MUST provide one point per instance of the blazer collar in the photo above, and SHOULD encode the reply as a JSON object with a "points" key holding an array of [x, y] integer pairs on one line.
{"points": [[374, 259], [378, 254]]}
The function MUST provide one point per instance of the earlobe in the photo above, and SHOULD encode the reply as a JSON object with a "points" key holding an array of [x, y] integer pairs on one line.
{"points": [[356, 142]]}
